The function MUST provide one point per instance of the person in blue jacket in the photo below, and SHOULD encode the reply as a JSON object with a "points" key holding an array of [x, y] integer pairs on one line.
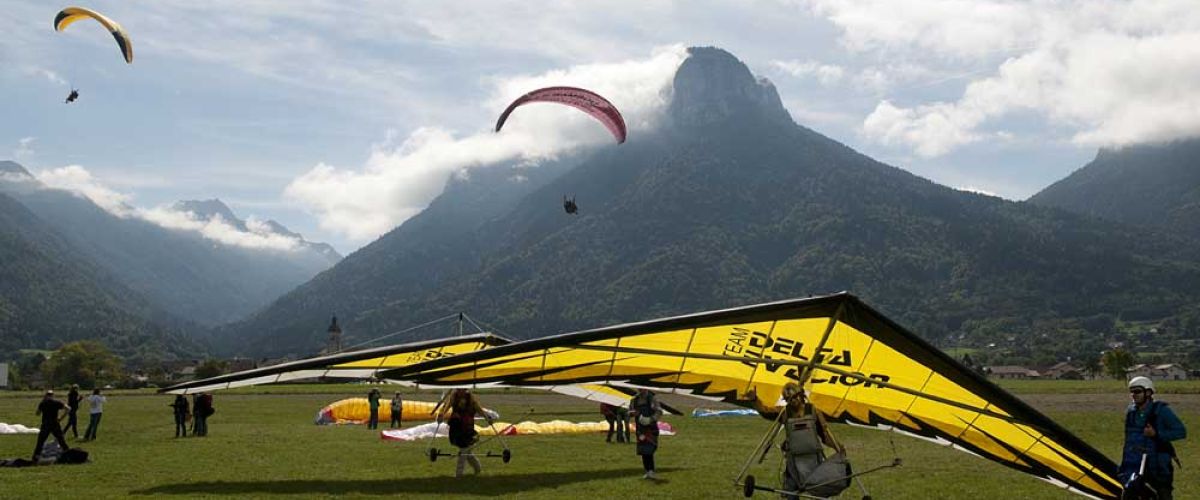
{"points": [[1150, 427]]}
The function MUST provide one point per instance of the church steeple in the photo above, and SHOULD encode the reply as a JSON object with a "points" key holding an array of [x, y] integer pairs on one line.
{"points": [[335, 337]]}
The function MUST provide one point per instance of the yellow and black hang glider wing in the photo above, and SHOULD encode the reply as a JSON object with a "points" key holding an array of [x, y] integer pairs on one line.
{"points": [[370, 363], [857, 366], [364, 364], [69, 15]]}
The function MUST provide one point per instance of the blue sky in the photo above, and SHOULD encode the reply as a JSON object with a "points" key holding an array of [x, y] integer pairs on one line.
{"points": [[342, 119]]}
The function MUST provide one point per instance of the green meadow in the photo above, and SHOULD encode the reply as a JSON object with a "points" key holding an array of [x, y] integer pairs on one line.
{"points": [[263, 443]]}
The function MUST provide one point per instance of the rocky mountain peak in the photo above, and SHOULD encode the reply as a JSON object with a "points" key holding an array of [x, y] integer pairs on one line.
{"points": [[712, 85]]}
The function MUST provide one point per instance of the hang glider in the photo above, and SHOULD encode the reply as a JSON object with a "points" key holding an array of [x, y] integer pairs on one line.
{"points": [[371, 363], [858, 366]]}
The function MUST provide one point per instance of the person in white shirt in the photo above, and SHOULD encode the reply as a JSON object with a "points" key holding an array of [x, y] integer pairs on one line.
{"points": [[97, 403]]}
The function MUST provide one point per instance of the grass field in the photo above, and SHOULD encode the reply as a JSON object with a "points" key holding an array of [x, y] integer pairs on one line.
{"points": [[263, 443]]}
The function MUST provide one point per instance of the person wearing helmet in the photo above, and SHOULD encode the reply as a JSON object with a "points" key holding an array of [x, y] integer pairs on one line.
{"points": [[805, 461], [646, 411], [1150, 427]]}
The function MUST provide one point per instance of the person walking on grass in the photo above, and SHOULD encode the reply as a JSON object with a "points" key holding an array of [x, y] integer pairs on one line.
{"points": [[181, 415], [73, 401], [96, 402], [645, 409], [49, 409], [397, 411], [1150, 428]]}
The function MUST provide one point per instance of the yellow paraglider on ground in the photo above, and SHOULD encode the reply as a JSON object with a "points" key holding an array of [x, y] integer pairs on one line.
{"points": [[71, 14]]}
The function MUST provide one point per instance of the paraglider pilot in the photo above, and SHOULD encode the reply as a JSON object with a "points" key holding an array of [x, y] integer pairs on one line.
{"points": [[72, 96], [569, 204], [462, 408]]}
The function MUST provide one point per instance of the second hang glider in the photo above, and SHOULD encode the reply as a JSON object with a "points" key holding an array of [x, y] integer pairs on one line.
{"points": [[857, 366], [70, 15]]}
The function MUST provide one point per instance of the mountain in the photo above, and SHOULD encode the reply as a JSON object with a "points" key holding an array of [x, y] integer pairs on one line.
{"points": [[732, 203], [180, 271], [311, 255], [1151, 185], [50, 295]]}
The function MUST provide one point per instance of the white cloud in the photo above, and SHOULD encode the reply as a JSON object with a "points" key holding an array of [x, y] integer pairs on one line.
{"points": [[399, 180], [1113, 72], [973, 189], [826, 74], [78, 180], [24, 148], [219, 229]]}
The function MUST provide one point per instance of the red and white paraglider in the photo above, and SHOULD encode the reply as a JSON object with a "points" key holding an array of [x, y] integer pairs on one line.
{"points": [[582, 99]]}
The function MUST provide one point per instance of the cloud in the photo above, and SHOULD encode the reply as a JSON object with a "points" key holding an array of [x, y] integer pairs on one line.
{"points": [[218, 229], [24, 148], [78, 180], [1112, 72], [826, 74], [401, 177], [973, 189]]}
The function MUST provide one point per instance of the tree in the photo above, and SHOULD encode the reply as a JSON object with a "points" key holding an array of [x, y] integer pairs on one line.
{"points": [[210, 368], [1116, 362], [87, 363]]}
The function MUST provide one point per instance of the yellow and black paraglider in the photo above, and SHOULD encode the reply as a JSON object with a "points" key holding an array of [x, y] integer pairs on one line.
{"points": [[71, 14]]}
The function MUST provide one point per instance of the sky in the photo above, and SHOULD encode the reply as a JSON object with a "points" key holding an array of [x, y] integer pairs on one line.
{"points": [[341, 119]]}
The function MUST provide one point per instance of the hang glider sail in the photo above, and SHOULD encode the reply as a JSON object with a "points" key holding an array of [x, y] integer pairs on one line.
{"points": [[858, 366], [364, 364], [69, 15], [584, 100], [371, 363]]}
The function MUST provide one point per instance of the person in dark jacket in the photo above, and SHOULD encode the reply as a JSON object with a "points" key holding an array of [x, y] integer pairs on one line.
{"points": [[1150, 427], [618, 422], [73, 400], [181, 415], [49, 409], [397, 411], [201, 410], [373, 403], [646, 411]]}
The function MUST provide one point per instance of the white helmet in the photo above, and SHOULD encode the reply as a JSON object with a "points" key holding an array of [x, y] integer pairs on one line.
{"points": [[1142, 382]]}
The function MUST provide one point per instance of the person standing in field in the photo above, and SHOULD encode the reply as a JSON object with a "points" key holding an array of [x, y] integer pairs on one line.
{"points": [[96, 403], [49, 409], [73, 401], [181, 414], [1150, 428], [373, 404], [618, 422], [645, 409], [397, 411]]}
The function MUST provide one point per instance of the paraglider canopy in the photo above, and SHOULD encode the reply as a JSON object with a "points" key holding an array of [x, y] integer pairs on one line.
{"points": [[71, 14], [582, 99]]}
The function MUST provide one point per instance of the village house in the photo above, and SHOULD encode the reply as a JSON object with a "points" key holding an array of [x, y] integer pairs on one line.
{"points": [[1010, 372], [1062, 371], [1169, 371]]}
